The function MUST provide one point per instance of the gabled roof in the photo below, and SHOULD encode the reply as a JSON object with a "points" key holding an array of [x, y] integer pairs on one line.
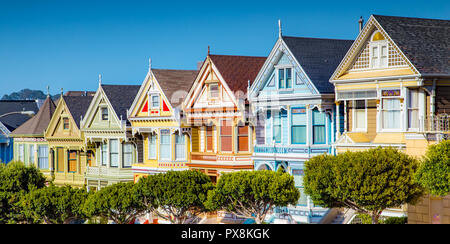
{"points": [[77, 106], [121, 97], [11, 122], [238, 70], [318, 57], [38, 123], [171, 80], [425, 42]]}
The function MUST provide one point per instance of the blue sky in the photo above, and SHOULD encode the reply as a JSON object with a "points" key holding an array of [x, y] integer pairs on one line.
{"points": [[66, 44]]}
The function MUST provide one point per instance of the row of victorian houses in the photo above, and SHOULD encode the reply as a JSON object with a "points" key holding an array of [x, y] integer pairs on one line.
{"points": [[388, 87]]}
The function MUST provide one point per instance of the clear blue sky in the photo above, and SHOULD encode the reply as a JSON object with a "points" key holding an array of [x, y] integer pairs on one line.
{"points": [[68, 43]]}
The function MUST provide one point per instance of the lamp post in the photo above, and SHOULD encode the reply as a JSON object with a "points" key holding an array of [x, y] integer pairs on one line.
{"points": [[29, 113]]}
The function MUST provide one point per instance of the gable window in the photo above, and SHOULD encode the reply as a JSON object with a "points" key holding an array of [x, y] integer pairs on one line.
{"points": [[155, 101], [72, 161], [213, 90], [319, 120], [209, 138], [243, 138], [298, 126], [378, 51], [179, 147], [413, 109], [43, 157], [359, 115], [127, 155], [104, 113], [113, 152], [277, 127], [152, 147], [104, 153], [391, 110], [164, 146], [285, 78], [65, 123], [226, 135]]}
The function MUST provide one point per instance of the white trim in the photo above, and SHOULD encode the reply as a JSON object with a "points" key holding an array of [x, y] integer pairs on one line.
{"points": [[354, 129]]}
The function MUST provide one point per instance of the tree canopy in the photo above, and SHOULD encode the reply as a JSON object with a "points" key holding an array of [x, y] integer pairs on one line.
{"points": [[253, 193], [368, 181], [434, 171]]}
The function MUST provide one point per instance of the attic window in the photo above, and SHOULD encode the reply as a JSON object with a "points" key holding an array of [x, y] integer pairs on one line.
{"points": [[378, 51], [213, 90], [104, 113], [284, 78], [155, 101], [65, 123]]}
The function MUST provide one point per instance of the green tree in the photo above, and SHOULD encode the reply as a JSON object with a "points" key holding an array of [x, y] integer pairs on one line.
{"points": [[367, 181], [253, 193], [176, 196], [16, 180], [117, 202], [55, 205], [434, 171]]}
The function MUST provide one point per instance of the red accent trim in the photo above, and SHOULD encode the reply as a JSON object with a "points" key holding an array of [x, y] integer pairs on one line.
{"points": [[145, 108]]}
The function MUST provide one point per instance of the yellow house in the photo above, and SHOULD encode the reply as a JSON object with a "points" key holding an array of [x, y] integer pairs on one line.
{"points": [[393, 88], [162, 142], [68, 154]]}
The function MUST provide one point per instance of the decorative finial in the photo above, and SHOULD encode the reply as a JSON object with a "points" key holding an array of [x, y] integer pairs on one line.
{"points": [[279, 28], [208, 50], [48, 91], [61, 91], [361, 23], [99, 79], [149, 64]]}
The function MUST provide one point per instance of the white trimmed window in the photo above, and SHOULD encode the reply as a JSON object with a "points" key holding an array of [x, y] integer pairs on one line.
{"points": [[360, 115], [104, 151], [165, 145], [378, 51], [413, 109], [22, 153], [391, 109], [155, 101], [180, 147], [284, 78], [213, 90], [43, 157], [113, 152], [127, 155], [152, 147]]}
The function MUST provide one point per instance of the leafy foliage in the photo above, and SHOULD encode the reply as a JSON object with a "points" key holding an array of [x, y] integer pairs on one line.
{"points": [[55, 205], [16, 180], [367, 181], [434, 171], [117, 202], [253, 193], [176, 196]]}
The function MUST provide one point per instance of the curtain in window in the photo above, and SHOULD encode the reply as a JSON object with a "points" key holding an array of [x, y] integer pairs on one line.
{"points": [[21, 153], [413, 109], [31, 154], [104, 154], [127, 155], [298, 126], [360, 114], [114, 153], [209, 138], [165, 149], [391, 113], [72, 158], [226, 136], [277, 127], [43, 157], [179, 147], [243, 138], [318, 127], [152, 147]]}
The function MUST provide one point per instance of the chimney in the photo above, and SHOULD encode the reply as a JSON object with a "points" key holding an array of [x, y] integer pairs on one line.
{"points": [[361, 23]]}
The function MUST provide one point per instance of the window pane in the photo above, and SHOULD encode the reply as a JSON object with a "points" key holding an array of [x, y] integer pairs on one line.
{"points": [[209, 138], [281, 78], [155, 101], [43, 157], [360, 119], [104, 153], [243, 138], [298, 134], [165, 149], [114, 152], [152, 146], [288, 78], [127, 155], [319, 133], [179, 147], [31, 154]]}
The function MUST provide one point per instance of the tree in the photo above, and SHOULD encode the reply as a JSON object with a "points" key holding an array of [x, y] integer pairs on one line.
{"points": [[55, 205], [176, 196], [117, 202], [434, 171], [16, 180], [367, 181], [253, 193]]}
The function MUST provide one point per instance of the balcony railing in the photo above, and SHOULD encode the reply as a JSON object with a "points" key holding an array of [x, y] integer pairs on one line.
{"points": [[437, 124], [96, 171]]}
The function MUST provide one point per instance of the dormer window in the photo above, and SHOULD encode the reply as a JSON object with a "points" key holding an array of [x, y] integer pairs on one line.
{"points": [[378, 51], [104, 113], [284, 78], [213, 90]]}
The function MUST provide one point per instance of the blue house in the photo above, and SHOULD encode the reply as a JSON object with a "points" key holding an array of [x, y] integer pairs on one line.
{"points": [[294, 112], [11, 117]]}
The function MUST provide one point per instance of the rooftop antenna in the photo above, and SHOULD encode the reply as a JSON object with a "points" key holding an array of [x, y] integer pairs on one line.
{"points": [[361, 23], [279, 28]]}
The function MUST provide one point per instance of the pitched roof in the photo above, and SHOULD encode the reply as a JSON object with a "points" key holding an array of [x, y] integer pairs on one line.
{"points": [[238, 70], [318, 57], [79, 93], [171, 81], [425, 42], [11, 122], [38, 123], [121, 97], [77, 106]]}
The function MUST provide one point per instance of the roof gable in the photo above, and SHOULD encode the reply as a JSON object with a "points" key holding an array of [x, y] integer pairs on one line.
{"points": [[38, 123]]}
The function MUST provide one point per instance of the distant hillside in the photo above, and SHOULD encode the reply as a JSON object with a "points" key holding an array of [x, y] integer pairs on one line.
{"points": [[27, 94]]}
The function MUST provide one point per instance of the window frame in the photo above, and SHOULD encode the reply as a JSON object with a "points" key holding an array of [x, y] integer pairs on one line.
{"points": [[383, 110], [301, 126], [210, 85], [211, 137], [243, 135], [66, 122], [284, 81], [314, 125], [151, 150], [163, 133], [111, 153], [226, 136], [379, 44], [102, 114], [69, 159], [177, 158], [124, 153], [39, 156], [354, 122]]}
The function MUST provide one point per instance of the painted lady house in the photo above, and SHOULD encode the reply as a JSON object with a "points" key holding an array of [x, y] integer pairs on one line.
{"points": [[68, 152], [394, 87], [163, 143], [292, 103], [13, 113], [110, 147], [216, 108], [30, 144]]}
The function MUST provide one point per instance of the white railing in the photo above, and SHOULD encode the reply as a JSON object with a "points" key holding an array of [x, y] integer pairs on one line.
{"points": [[109, 172], [438, 123]]}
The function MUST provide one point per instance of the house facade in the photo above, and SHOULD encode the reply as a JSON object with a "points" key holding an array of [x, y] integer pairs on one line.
{"points": [[293, 108], [155, 116], [30, 146], [216, 109], [393, 88], [68, 151], [110, 147]]}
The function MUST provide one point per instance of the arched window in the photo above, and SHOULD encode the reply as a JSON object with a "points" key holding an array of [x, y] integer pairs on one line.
{"points": [[378, 51]]}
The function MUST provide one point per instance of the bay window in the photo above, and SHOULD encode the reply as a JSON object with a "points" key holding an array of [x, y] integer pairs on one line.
{"points": [[104, 153], [226, 135], [114, 152], [165, 145], [43, 157], [277, 127], [180, 147], [413, 109], [127, 155], [359, 115], [152, 147], [319, 130], [243, 138], [298, 125], [209, 138], [391, 113]]}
